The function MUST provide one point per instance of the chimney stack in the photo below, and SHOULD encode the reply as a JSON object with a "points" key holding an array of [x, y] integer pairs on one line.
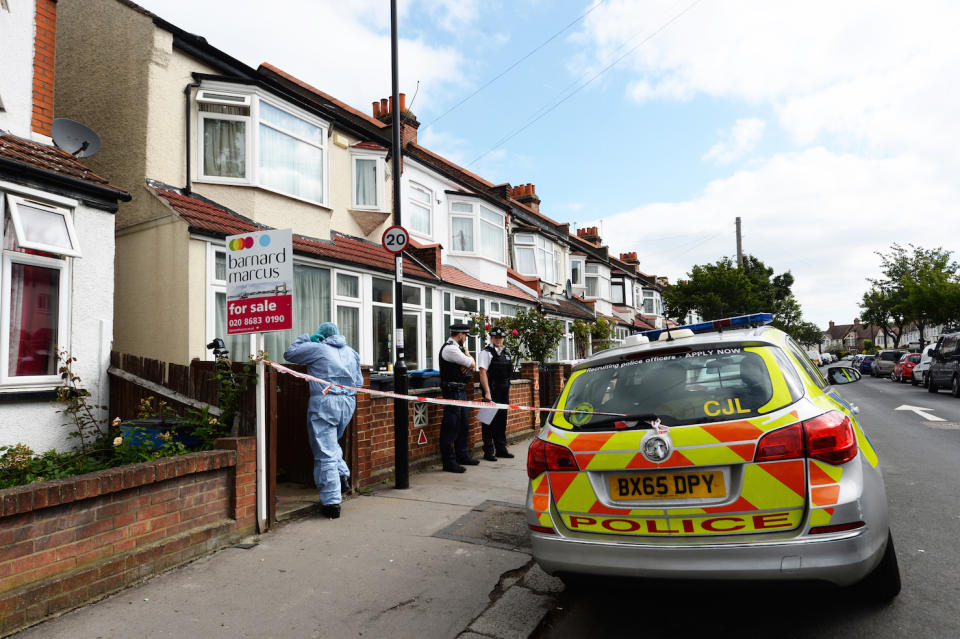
{"points": [[831, 324], [589, 234], [526, 194], [45, 40], [408, 122]]}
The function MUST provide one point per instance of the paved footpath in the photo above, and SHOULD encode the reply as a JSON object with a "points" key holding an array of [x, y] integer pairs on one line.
{"points": [[448, 557]]}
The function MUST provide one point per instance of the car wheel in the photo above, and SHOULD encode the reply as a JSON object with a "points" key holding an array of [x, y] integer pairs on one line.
{"points": [[883, 583], [955, 390], [931, 385], [913, 380]]}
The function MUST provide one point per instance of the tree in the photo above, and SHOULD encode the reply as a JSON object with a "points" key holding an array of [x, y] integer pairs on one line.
{"points": [[919, 285], [875, 309], [806, 334], [723, 290]]}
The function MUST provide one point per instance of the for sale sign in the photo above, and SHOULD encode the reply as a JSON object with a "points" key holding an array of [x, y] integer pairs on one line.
{"points": [[260, 282]]}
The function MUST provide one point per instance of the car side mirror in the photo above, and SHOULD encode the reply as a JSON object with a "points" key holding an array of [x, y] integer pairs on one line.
{"points": [[843, 375]]}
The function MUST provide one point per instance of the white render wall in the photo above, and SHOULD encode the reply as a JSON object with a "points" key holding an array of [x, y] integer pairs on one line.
{"points": [[16, 79], [37, 423]]}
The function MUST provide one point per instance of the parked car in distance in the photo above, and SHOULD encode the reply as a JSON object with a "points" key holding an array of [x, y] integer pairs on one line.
{"points": [[945, 365], [903, 370], [885, 361], [866, 364], [921, 369], [855, 361]]}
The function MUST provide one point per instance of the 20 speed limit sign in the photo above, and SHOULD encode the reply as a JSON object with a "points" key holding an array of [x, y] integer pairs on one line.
{"points": [[395, 239]]}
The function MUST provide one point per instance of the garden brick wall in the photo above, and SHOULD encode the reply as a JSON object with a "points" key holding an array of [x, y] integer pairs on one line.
{"points": [[64, 543], [373, 426]]}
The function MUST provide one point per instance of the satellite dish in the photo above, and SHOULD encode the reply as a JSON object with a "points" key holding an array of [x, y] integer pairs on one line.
{"points": [[568, 288], [76, 139]]}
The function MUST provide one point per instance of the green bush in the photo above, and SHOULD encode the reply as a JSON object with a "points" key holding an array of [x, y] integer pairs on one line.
{"points": [[101, 445]]}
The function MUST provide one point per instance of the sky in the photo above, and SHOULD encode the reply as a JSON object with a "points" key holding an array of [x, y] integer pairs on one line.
{"points": [[829, 128]]}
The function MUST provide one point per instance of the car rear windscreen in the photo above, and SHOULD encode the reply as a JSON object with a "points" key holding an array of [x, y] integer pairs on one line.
{"points": [[694, 386]]}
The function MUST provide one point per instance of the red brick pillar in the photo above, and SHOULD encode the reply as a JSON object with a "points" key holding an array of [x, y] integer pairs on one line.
{"points": [[244, 479], [531, 371], [362, 420]]}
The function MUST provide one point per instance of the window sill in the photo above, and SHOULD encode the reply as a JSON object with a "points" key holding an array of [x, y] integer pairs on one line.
{"points": [[250, 185], [27, 394]]}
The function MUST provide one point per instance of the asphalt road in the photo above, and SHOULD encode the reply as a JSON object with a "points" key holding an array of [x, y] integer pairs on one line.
{"points": [[919, 459]]}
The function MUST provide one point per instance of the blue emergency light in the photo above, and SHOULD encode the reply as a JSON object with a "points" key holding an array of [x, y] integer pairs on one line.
{"points": [[741, 321]]}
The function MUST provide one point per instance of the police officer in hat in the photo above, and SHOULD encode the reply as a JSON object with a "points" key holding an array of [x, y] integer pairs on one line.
{"points": [[496, 367], [456, 371]]}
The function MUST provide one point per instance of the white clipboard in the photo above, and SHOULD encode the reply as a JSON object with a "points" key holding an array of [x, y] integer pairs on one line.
{"points": [[486, 414]]}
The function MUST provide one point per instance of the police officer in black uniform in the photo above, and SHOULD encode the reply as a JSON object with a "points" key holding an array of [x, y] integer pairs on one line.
{"points": [[456, 371], [496, 367]]}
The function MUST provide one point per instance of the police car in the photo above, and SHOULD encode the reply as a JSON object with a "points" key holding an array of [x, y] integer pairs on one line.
{"points": [[711, 451]]}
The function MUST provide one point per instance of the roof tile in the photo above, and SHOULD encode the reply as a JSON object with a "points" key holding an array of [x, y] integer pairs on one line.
{"points": [[49, 158]]}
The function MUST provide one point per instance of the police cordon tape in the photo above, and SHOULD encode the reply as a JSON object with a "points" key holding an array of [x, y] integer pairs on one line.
{"points": [[431, 400]]}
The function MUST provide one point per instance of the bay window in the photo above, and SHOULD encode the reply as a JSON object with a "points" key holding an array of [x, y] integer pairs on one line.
{"points": [[312, 301], [598, 281], [536, 255], [477, 229], [576, 271], [38, 242], [651, 303], [368, 191], [289, 147], [617, 291], [420, 210]]}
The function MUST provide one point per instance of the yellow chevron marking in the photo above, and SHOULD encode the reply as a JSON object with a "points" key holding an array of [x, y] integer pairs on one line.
{"points": [[610, 461], [765, 491], [819, 517], [834, 472], [711, 455], [545, 519], [535, 484], [578, 497]]}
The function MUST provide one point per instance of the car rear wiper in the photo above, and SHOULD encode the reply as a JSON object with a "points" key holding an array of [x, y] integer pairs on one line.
{"points": [[621, 422]]}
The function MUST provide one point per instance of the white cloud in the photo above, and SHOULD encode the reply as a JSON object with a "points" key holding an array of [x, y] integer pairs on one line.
{"points": [[873, 71], [739, 140], [342, 48], [818, 214]]}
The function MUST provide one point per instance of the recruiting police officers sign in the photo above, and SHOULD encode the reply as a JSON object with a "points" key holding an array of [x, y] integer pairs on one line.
{"points": [[260, 282]]}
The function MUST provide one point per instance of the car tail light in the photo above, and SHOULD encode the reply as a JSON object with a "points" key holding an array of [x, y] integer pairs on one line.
{"points": [[543, 456], [542, 529], [820, 530], [783, 443], [828, 438]]}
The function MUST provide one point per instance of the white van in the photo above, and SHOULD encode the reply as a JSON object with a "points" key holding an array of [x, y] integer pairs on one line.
{"points": [[920, 370]]}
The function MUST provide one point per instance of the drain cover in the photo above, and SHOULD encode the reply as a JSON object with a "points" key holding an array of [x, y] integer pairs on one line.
{"points": [[492, 523]]}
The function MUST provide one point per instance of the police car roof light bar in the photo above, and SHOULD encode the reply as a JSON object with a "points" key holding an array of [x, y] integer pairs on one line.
{"points": [[740, 321]]}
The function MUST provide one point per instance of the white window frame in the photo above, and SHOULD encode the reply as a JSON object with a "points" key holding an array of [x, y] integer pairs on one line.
{"points": [[252, 97], [476, 218], [602, 274], [15, 201], [655, 301], [378, 159], [622, 285], [543, 250], [582, 262], [63, 316], [414, 186], [347, 301]]}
